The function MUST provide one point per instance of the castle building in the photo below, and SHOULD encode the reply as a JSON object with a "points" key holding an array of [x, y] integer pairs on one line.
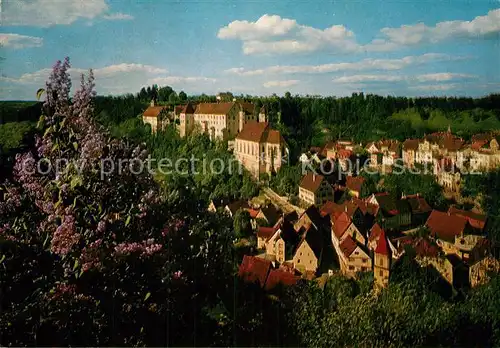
{"points": [[219, 120], [156, 116], [259, 148]]}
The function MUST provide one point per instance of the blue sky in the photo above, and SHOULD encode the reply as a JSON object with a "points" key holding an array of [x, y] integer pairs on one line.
{"points": [[256, 47]]}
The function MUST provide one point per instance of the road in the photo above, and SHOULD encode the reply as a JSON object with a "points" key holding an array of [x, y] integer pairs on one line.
{"points": [[283, 204]]}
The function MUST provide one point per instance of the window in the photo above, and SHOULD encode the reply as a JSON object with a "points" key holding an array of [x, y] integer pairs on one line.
{"points": [[351, 268], [298, 261], [381, 273], [364, 260]]}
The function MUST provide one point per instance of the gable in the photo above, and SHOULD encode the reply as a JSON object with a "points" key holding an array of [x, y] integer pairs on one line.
{"points": [[359, 253]]}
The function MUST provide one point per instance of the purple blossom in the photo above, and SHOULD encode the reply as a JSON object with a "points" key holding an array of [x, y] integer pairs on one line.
{"points": [[101, 226], [146, 248], [90, 256], [65, 236]]}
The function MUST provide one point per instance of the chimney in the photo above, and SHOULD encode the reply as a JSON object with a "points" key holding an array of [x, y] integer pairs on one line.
{"points": [[152, 102], [345, 208], [314, 177]]}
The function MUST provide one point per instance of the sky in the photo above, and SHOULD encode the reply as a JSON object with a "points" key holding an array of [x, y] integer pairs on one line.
{"points": [[257, 47]]}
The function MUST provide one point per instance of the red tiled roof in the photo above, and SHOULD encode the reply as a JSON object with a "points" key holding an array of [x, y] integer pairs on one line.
{"points": [[214, 108], [266, 232], [278, 276], [311, 182], [382, 245], [445, 226], [475, 220], [334, 209], [274, 137], [375, 232], [254, 269], [341, 224], [348, 246], [421, 246], [418, 204], [355, 183], [154, 111], [365, 207], [253, 131], [476, 145]]}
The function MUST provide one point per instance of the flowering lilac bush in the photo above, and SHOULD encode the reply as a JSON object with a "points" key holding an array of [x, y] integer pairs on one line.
{"points": [[94, 249]]}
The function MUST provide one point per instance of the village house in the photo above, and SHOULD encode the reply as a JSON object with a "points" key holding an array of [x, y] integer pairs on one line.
{"points": [[279, 241], [447, 174], [342, 227], [261, 272], [310, 227], [308, 255], [353, 257], [315, 189], [484, 152], [410, 147], [156, 116], [420, 209], [260, 149], [383, 152], [349, 244], [453, 233], [436, 146], [269, 214], [222, 120], [392, 213]]}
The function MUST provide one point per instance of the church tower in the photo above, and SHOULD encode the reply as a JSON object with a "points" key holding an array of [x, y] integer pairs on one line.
{"points": [[262, 114], [382, 262]]}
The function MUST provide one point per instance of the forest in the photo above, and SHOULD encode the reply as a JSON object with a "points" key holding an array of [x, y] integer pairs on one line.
{"points": [[137, 260]]}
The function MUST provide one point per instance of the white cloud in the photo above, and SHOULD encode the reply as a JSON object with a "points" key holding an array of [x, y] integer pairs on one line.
{"points": [[365, 64], [16, 41], [285, 83], [176, 80], [113, 79], [368, 78], [45, 13], [436, 77], [127, 68], [118, 17], [408, 35], [271, 34], [111, 71], [443, 87], [443, 77], [264, 27]]}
